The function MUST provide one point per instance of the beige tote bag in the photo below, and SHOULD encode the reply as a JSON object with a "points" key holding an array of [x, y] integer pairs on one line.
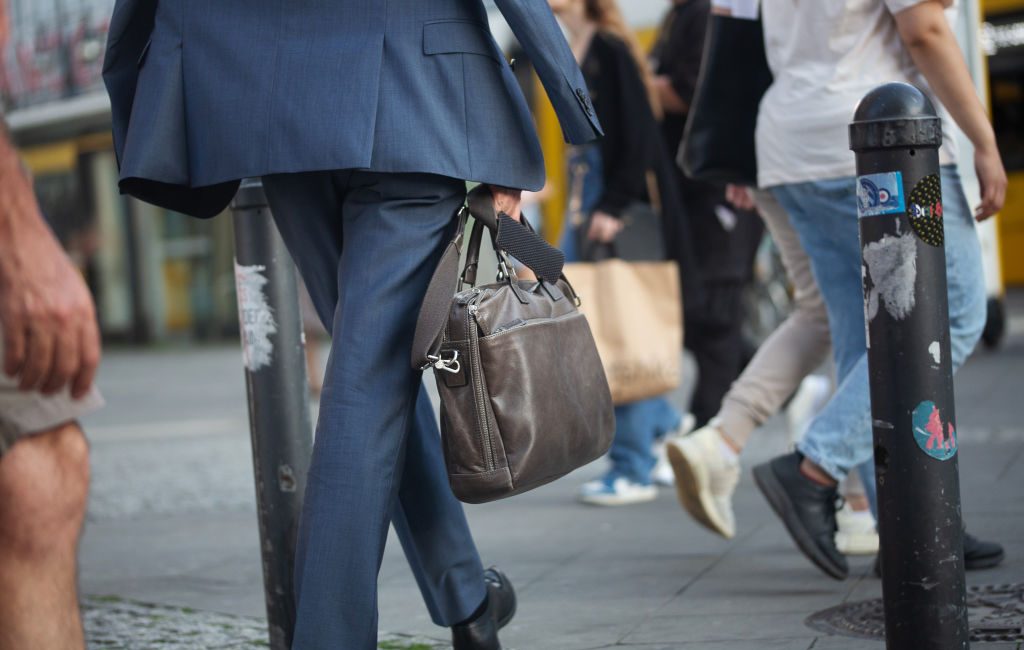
{"points": [[635, 313]]}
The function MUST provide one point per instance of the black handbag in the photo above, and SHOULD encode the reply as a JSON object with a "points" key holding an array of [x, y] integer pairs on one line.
{"points": [[718, 143], [524, 397]]}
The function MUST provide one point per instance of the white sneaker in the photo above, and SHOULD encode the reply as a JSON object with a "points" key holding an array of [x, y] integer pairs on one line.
{"points": [[662, 473], [705, 479], [620, 492], [810, 398], [857, 534]]}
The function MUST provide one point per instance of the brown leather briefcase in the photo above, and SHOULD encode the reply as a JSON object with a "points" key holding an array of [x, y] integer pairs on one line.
{"points": [[524, 398]]}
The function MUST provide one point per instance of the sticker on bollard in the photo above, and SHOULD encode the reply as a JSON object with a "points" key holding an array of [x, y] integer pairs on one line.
{"points": [[925, 210], [879, 194], [934, 436]]}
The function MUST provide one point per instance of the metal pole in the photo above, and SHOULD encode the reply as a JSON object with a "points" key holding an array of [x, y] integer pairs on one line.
{"points": [[276, 382], [896, 135]]}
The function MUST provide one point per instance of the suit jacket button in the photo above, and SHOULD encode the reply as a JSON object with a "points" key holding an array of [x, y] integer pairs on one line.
{"points": [[588, 106]]}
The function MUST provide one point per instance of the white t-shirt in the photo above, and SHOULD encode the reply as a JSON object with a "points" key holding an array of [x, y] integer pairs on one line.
{"points": [[826, 55]]}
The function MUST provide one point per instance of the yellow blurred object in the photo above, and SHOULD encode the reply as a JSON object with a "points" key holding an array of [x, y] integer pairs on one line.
{"points": [[999, 6], [51, 158], [1011, 230], [177, 280], [103, 141], [552, 142]]}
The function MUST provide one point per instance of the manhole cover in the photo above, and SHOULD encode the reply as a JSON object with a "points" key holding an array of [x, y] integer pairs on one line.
{"points": [[995, 612]]}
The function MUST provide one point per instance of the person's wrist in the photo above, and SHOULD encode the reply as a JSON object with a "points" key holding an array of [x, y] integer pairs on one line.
{"points": [[987, 144]]}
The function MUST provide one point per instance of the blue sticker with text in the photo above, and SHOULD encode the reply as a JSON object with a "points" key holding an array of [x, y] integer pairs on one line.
{"points": [[879, 194], [934, 435]]}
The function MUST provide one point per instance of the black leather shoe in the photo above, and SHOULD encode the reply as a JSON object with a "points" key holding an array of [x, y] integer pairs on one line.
{"points": [[978, 554], [807, 510], [482, 632]]}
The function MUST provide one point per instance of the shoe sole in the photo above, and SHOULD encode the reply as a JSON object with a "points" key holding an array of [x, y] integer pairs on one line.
{"points": [[777, 498], [984, 562], [690, 477], [611, 502], [856, 543]]}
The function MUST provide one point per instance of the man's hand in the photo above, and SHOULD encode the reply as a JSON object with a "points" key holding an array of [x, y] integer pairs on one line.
{"points": [[46, 313], [604, 227], [992, 178], [507, 200]]}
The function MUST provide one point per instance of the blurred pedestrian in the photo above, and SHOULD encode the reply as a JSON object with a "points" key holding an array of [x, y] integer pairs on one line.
{"points": [[724, 239], [707, 462], [607, 180], [825, 57], [50, 348], [364, 120]]}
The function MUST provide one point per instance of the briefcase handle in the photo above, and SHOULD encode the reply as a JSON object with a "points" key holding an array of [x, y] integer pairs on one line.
{"points": [[508, 235]]}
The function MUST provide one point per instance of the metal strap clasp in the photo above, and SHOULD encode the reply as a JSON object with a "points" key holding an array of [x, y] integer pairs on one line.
{"points": [[451, 365]]}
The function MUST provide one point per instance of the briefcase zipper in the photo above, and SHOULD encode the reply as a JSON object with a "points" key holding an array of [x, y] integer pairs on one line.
{"points": [[475, 377]]}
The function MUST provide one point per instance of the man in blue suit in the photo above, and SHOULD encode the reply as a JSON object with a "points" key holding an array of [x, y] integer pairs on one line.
{"points": [[364, 118]]}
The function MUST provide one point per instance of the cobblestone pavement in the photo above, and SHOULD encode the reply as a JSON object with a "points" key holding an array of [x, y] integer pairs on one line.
{"points": [[112, 623]]}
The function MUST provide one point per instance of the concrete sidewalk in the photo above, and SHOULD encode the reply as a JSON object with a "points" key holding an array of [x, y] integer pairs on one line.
{"points": [[171, 545]]}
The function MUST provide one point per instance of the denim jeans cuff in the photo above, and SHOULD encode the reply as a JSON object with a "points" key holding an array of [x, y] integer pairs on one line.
{"points": [[818, 459]]}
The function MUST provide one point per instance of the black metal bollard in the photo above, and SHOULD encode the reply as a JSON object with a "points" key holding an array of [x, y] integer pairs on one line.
{"points": [[896, 135], [276, 382]]}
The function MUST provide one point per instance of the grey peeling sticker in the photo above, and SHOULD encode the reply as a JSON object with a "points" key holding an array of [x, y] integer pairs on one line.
{"points": [[936, 351], [255, 317], [892, 268], [879, 194]]}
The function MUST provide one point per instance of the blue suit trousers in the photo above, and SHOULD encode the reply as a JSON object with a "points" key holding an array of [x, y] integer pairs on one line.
{"points": [[366, 244]]}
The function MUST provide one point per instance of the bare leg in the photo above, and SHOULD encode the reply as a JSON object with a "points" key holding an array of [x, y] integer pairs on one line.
{"points": [[44, 482]]}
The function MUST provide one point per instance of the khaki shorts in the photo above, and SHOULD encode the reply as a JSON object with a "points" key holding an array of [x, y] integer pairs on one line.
{"points": [[23, 413]]}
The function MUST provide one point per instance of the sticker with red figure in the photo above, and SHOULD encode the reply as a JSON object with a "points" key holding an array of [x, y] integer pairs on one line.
{"points": [[935, 436]]}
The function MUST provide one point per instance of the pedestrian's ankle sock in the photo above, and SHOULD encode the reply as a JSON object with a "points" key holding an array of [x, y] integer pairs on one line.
{"points": [[729, 454], [478, 613]]}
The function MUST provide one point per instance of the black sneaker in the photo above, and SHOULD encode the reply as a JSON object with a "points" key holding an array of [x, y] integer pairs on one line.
{"points": [[807, 510], [482, 632]]}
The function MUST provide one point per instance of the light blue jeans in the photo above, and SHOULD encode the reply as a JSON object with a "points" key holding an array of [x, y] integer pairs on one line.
{"points": [[824, 214], [637, 426]]}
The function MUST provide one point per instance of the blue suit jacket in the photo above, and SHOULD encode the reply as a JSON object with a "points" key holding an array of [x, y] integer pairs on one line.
{"points": [[207, 92]]}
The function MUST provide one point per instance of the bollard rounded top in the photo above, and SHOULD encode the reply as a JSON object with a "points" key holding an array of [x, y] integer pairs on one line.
{"points": [[894, 101], [895, 115]]}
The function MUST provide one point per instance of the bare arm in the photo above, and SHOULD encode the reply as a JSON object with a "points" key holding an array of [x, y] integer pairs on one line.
{"points": [[46, 313], [930, 41]]}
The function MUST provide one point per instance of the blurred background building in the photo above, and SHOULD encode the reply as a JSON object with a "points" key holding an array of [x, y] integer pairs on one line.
{"points": [[160, 276], [156, 275]]}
